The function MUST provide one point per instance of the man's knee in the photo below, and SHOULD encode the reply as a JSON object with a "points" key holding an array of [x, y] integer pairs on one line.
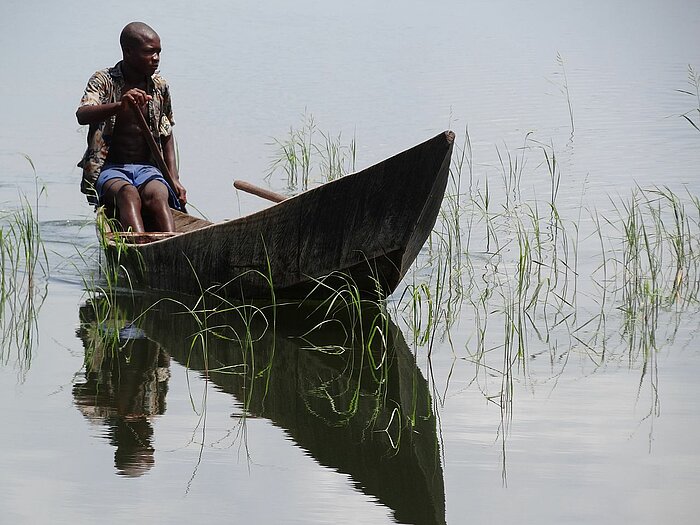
{"points": [[118, 193], [128, 191], [154, 194], [128, 195]]}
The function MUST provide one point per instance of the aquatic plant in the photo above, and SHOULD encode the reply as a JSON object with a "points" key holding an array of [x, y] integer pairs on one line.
{"points": [[301, 157], [565, 90], [513, 258], [499, 283], [515, 267], [112, 279], [693, 115], [24, 272]]}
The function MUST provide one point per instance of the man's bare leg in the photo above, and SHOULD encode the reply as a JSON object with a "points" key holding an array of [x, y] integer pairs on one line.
{"points": [[125, 198], [155, 208]]}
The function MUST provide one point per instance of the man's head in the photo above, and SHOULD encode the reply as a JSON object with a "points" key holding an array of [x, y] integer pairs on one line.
{"points": [[140, 47]]}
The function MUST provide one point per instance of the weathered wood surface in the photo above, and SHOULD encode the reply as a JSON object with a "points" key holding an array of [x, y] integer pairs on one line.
{"points": [[260, 192], [368, 226]]}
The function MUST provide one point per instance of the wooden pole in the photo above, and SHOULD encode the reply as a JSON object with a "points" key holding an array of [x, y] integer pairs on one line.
{"points": [[155, 149], [260, 192]]}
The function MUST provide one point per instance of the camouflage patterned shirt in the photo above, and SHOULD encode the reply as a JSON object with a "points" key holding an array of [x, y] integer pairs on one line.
{"points": [[105, 87]]}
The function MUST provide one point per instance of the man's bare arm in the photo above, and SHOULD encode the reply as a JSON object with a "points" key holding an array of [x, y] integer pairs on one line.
{"points": [[170, 161], [98, 113]]}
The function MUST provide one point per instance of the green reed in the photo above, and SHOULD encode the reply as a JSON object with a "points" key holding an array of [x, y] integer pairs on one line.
{"points": [[505, 268], [336, 159], [23, 279], [693, 116], [565, 90], [113, 278], [113, 282], [512, 172], [306, 160], [498, 281]]}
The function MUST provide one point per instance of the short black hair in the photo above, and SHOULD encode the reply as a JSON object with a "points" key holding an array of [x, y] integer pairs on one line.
{"points": [[134, 34]]}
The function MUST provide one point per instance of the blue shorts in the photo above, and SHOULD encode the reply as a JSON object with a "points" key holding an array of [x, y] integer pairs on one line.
{"points": [[136, 174]]}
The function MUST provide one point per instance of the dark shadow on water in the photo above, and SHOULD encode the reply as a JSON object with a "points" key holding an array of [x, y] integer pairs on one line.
{"points": [[346, 390]]}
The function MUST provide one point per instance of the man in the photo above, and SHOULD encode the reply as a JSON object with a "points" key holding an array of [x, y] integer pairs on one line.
{"points": [[119, 168]]}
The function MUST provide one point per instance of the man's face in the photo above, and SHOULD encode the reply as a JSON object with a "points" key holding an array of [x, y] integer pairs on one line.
{"points": [[145, 57]]}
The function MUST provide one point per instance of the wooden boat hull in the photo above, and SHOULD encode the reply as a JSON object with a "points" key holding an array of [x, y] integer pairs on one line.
{"points": [[366, 228]]}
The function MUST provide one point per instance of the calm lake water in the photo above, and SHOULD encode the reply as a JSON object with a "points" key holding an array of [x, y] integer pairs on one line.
{"points": [[566, 393]]}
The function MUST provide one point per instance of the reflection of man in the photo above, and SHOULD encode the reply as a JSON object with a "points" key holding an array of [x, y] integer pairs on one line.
{"points": [[125, 385]]}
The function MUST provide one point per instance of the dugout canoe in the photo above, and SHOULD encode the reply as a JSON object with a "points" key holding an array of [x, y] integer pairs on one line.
{"points": [[366, 228]]}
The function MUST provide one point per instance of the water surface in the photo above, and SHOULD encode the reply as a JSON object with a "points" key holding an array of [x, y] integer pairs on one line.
{"points": [[593, 423]]}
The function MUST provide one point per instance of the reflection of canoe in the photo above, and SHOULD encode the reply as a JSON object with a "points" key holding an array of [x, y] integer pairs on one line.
{"points": [[369, 224], [374, 422]]}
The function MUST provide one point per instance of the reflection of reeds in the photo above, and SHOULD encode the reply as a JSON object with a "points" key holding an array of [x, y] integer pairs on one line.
{"points": [[251, 329], [23, 273], [364, 350], [361, 342], [336, 374]]}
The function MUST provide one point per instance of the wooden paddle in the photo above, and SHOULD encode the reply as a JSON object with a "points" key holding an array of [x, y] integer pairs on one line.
{"points": [[155, 149], [257, 190]]}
